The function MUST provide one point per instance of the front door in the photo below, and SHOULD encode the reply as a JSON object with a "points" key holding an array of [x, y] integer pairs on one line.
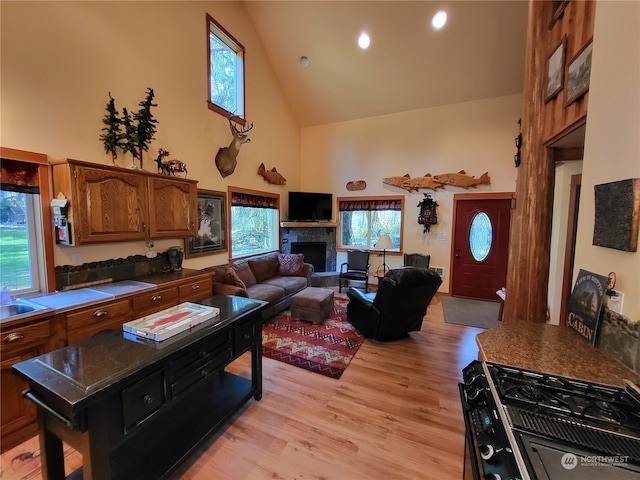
{"points": [[480, 244]]}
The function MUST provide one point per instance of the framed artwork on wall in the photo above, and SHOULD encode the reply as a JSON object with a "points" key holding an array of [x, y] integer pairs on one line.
{"points": [[555, 70], [578, 73], [617, 215], [212, 225]]}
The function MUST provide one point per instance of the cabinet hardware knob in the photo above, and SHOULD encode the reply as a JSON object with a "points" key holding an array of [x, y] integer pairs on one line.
{"points": [[203, 373], [13, 337], [100, 313], [156, 297], [148, 400], [195, 286], [247, 336]]}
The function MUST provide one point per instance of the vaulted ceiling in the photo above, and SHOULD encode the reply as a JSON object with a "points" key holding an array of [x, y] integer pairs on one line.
{"points": [[409, 65]]}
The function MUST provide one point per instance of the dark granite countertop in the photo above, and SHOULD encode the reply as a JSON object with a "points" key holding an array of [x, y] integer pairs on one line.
{"points": [[551, 349]]}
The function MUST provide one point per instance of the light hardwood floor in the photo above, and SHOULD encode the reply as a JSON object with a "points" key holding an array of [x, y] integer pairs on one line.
{"points": [[394, 414]]}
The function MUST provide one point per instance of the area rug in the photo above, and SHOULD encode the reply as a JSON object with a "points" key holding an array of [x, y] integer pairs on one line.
{"points": [[470, 312], [326, 349]]}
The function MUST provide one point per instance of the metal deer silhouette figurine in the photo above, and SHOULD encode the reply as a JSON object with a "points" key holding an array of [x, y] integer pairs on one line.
{"points": [[226, 158]]}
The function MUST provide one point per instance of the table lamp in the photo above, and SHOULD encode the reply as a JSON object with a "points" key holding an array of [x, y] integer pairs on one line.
{"points": [[384, 242]]}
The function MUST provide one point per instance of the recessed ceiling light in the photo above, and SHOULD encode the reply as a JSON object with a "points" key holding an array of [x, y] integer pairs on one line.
{"points": [[439, 19], [304, 61], [364, 41]]}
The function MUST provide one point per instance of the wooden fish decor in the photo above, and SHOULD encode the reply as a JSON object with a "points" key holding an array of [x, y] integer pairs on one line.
{"points": [[433, 182], [416, 183], [461, 179], [271, 176], [396, 181]]}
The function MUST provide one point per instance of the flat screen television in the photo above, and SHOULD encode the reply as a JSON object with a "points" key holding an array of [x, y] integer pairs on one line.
{"points": [[310, 207]]}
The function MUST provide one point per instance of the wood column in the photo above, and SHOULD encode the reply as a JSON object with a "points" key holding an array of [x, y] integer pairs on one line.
{"points": [[530, 240]]}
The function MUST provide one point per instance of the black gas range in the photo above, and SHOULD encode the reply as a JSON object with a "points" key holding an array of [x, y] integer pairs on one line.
{"points": [[522, 424]]}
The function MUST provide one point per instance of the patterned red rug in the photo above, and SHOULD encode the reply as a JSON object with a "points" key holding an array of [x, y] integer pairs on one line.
{"points": [[326, 349]]}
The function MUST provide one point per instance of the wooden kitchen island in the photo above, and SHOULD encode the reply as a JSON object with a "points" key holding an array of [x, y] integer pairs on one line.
{"points": [[135, 408]]}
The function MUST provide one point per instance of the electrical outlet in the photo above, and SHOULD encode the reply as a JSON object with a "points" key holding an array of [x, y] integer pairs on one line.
{"points": [[76, 259], [442, 237], [614, 302]]}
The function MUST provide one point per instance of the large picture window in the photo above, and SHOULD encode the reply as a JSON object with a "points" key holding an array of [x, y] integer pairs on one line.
{"points": [[364, 219], [254, 222], [226, 71]]}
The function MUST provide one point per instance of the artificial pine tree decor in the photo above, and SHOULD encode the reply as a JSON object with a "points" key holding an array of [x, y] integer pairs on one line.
{"points": [[130, 140], [112, 136], [145, 128]]}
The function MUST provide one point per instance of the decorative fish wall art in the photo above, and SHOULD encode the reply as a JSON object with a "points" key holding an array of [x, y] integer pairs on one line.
{"points": [[271, 176], [433, 182]]}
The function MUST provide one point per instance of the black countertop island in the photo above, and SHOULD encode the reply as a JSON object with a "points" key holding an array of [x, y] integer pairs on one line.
{"points": [[135, 408]]}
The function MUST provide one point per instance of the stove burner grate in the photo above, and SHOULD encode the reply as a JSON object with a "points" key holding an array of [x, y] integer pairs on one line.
{"points": [[578, 434]]}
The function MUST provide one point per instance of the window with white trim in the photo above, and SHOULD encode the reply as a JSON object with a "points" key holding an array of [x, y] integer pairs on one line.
{"points": [[21, 254], [254, 222], [226, 71], [364, 219]]}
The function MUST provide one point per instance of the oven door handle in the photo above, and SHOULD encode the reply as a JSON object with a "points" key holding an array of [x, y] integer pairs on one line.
{"points": [[468, 433]]}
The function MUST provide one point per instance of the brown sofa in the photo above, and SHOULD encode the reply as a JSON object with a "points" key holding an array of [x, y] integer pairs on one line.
{"points": [[262, 278]]}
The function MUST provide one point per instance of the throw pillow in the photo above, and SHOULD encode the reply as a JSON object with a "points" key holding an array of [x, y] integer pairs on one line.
{"points": [[232, 278], [265, 267], [291, 264], [245, 273]]}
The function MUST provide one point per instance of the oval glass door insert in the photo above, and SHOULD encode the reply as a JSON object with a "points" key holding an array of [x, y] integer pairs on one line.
{"points": [[480, 236]]}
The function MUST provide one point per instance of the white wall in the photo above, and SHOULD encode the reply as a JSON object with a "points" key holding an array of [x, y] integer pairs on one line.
{"points": [[472, 136], [561, 199], [60, 60], [612, 146]]}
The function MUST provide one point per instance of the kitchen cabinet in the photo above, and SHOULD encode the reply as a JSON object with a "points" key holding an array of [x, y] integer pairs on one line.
{"points": [[152, 302], [17, 414], [195, 289], [173, 288], [111, 204], [173, 208], [87, 322]]}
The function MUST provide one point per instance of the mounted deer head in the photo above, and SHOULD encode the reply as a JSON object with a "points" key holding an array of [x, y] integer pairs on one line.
{"points": [[226, 156]]}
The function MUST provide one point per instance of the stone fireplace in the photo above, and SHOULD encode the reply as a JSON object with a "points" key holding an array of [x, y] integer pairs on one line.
{"points": [[310, 237], [314, 253]]}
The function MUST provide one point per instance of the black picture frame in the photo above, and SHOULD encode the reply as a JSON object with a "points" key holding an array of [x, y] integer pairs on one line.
{"points": [[555, 70], [578, 74], [212, 225]]}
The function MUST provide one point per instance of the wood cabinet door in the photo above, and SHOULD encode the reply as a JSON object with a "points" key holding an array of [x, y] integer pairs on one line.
{"points": [[109, 205], [173, 207], [17, 414]]}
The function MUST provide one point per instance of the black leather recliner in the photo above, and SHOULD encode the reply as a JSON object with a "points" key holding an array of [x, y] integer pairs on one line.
{"points": [[397, 308]]}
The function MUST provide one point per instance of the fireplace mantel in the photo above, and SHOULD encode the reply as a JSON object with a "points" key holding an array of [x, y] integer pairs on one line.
{"points": [[308, 224]]}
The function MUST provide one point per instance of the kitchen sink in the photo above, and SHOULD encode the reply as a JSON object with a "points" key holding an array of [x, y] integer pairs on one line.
{"points": [[18, 307]]}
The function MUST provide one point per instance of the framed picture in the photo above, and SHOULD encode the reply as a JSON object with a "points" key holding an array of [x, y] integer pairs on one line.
{"points": [[578, 74], [212, 225], [555, 71]]}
